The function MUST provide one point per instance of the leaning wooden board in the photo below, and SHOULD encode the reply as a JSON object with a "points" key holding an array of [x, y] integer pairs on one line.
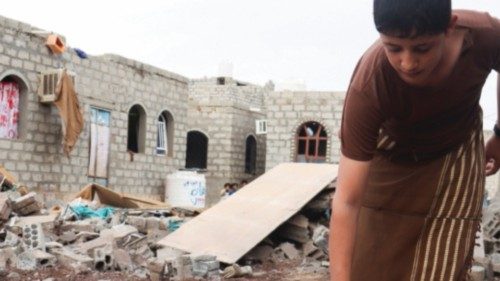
{"points": [[234, 226]]}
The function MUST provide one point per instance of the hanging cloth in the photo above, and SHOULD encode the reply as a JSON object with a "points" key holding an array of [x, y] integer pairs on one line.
{"points": [[69, 110]]}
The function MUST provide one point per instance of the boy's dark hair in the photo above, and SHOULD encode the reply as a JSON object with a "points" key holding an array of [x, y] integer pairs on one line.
{"points": [[411, 18]]}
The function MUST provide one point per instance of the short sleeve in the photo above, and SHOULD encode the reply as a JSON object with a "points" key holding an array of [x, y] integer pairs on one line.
{"points": [[361, 123]]}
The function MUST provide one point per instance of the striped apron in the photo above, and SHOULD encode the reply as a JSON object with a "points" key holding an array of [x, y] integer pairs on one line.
{"points": [[418, 220]]}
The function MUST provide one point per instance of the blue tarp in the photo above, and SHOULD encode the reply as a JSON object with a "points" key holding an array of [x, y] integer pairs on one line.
{"points": [[83, 212]]}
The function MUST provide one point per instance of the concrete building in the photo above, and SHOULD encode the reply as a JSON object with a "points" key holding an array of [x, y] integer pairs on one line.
{"points": [[123, 100], [302, 127], [222, 116], [143, 123]]}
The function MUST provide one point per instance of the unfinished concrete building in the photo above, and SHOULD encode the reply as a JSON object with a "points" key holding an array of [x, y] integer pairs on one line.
{"points": [[143, 123], [124, 104], [302, 127], [222, 137]]}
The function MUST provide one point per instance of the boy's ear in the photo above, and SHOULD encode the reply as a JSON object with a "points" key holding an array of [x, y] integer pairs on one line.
{"points": [[452, 24]]}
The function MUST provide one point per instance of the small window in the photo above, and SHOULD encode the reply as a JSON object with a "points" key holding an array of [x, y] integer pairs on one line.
{"points": [[250, 155], [261, 127], [221, 81], [165, 134], [161, 138], [136, 136], [311, 139]]}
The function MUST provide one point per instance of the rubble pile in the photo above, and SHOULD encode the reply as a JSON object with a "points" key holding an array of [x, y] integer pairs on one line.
{"points": [[103, 231], [304, 236], [487, 252], [35, 234]]}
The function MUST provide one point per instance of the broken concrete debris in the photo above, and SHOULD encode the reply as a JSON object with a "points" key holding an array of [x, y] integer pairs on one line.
{"points": [[35, 235]]}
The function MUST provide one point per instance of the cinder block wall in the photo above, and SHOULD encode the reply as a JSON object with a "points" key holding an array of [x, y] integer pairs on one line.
{"points": [[227, 114], [108, 82], [287, 110]]}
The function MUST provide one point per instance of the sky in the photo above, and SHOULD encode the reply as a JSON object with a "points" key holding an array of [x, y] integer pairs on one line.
{"points": [[314, 42]]}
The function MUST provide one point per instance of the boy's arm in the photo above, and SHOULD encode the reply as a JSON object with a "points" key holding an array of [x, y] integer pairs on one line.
{"points": [[492, 149], [352, 179]]}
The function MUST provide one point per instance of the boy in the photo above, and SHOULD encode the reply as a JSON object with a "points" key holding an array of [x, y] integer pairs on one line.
{"points": [[411, 175]]}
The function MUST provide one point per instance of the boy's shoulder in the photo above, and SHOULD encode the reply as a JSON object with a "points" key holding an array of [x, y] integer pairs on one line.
{"points": [[371, 66], [474, 19]]}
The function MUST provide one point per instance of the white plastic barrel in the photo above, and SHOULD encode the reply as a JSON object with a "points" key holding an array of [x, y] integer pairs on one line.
{"points": [[185, 189]]}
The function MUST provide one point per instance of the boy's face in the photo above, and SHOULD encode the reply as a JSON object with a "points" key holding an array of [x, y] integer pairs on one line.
{"points": [[415, 59]]}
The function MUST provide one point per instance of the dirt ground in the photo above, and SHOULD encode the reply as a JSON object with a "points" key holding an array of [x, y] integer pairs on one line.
{"points": [[287, 270]]}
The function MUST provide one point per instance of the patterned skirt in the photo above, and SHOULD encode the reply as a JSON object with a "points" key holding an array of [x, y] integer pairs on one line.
{"points": [[418, 220]]}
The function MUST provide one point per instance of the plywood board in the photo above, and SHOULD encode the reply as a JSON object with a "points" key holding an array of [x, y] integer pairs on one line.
{"points": [[234, 226]]}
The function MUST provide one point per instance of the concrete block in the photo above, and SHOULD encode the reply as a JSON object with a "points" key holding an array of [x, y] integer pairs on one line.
{"points": [[123, 261], [11, 240], [477, 273], [85, 236], [3, 265], [78, 226], [152, 224], [289, 250], [24, 201], [309, 248], [142, 254], [35, 258], [69, 258], [204, 265], [30, 209], [103, 258], [103, 240], [495, 262], [260, 253], [138, 222], [33, 237], [178, 268], [120, 231], [320, 237], [5, 208], [67, 237], [46, 221], [155, 235], [169, 253]]}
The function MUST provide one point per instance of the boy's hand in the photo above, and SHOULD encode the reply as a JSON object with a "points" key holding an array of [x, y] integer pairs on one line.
{"points": [[492, 155]]}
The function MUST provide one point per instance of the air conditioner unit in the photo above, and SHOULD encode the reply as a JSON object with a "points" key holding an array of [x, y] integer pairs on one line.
{"points": [[48, 84], [260, 127]]}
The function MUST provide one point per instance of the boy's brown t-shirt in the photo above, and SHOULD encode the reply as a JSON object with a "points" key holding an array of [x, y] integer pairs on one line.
{"points": [[423, 122]]}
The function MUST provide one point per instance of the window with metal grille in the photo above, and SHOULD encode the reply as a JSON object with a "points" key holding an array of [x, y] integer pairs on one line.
{"points": [[161, 139]]}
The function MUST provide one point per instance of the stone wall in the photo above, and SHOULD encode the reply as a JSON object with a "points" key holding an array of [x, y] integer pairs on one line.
{"points": [[226, 114], [287, 110], [108, 82]]}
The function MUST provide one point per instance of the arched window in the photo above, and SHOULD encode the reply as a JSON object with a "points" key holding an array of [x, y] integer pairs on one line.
{"points": [[165, 134], [13, 100], [250, 155], [311, 142], [197, 150], [136, 136]]}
